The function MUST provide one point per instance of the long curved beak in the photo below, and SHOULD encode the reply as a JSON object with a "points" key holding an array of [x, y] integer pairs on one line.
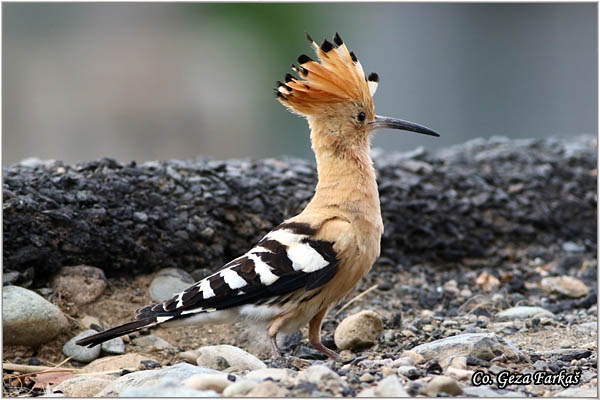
{"points": [[393, 123]]}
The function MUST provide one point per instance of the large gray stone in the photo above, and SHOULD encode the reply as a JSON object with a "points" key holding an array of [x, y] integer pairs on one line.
{"points": [[81, 353], [81, 284], [168, 282], [28, 318], [523, 312], [236, 358], [114, 346], [84, 386], [466, 343], [152, 378]]}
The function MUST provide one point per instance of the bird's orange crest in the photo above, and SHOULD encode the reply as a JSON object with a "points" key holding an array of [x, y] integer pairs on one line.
{"points": [[337, 77]]}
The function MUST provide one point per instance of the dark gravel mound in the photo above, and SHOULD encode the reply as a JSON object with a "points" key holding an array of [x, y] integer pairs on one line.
{"points": [[201, 213]]}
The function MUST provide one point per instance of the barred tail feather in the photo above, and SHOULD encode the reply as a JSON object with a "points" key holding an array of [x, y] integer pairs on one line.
{"points": [[117, 331]]}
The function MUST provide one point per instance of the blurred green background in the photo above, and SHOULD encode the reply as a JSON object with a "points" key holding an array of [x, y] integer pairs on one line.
{"points": [[142, 82]]}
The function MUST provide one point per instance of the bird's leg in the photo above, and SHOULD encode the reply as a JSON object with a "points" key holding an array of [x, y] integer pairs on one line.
{"points": [[274, 348], [314, 335]]}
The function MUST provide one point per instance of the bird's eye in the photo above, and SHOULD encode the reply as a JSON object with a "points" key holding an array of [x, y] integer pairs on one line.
{"points": [[361, 116]]}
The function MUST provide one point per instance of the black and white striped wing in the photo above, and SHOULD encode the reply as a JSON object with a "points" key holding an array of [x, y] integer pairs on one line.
{"points": [[285, 260]]}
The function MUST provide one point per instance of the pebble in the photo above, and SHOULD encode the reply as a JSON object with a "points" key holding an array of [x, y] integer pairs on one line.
{"points": [[80, 284], [459, 373], [81, 353], [443, 384], [151, 342], [480, 345], [215, 382], [523, 312], [168, 282], [387, 387], [267, 389], [572, 247], [404, 361], [149, 378], [414, 356], [366, 377], [565, 285], [277, 374], [358, 331], [113, 346], [323, 377], [84, 386], [408, 371], [239, 388], [28, 318], [237, 359], [87, 321]]}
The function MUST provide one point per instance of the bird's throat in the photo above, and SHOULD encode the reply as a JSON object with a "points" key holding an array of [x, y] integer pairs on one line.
{"points": [[347, 181]]}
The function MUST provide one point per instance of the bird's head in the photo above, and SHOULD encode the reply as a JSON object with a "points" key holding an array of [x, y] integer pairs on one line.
{"points": [[335, 95]]}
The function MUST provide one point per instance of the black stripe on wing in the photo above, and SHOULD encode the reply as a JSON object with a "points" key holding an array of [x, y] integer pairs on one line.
{"points": [[254, 291]]}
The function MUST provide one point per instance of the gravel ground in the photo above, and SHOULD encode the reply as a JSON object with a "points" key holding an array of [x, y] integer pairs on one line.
{"points": [[448, 273]]}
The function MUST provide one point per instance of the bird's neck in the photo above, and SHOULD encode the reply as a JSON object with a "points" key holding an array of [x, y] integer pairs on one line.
{"points": [[347, 184]]}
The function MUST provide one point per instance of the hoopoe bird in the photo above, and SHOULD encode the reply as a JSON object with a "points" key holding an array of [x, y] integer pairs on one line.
{"points": [[295, 273]]}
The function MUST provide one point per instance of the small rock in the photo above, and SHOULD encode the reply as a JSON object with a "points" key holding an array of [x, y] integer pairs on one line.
{"points": [[130, 361], [239, 388], [366, 377], [390, 387], [149, 378], [87, 321], [277, 374], [347, 356], [358, 331], [238, 359], [572, 247], [113, 346], [28, 318], [325, 378], [168, 282], [189, 356], [151, 342], [414, 356], [523, 312], [218, 383], [81, 284], [459, 373], [149, 364], [565, 285], [408, 371], [487, 281], [81, 353], [404, 361], [484, 344], [443, 384], [267, 389], [84, 386]]}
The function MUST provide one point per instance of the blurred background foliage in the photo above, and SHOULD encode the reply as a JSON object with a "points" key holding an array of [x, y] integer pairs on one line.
{"points": [[153, 81]]}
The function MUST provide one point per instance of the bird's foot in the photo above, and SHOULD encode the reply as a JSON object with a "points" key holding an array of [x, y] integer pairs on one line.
{"points": [[329, 353]]}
